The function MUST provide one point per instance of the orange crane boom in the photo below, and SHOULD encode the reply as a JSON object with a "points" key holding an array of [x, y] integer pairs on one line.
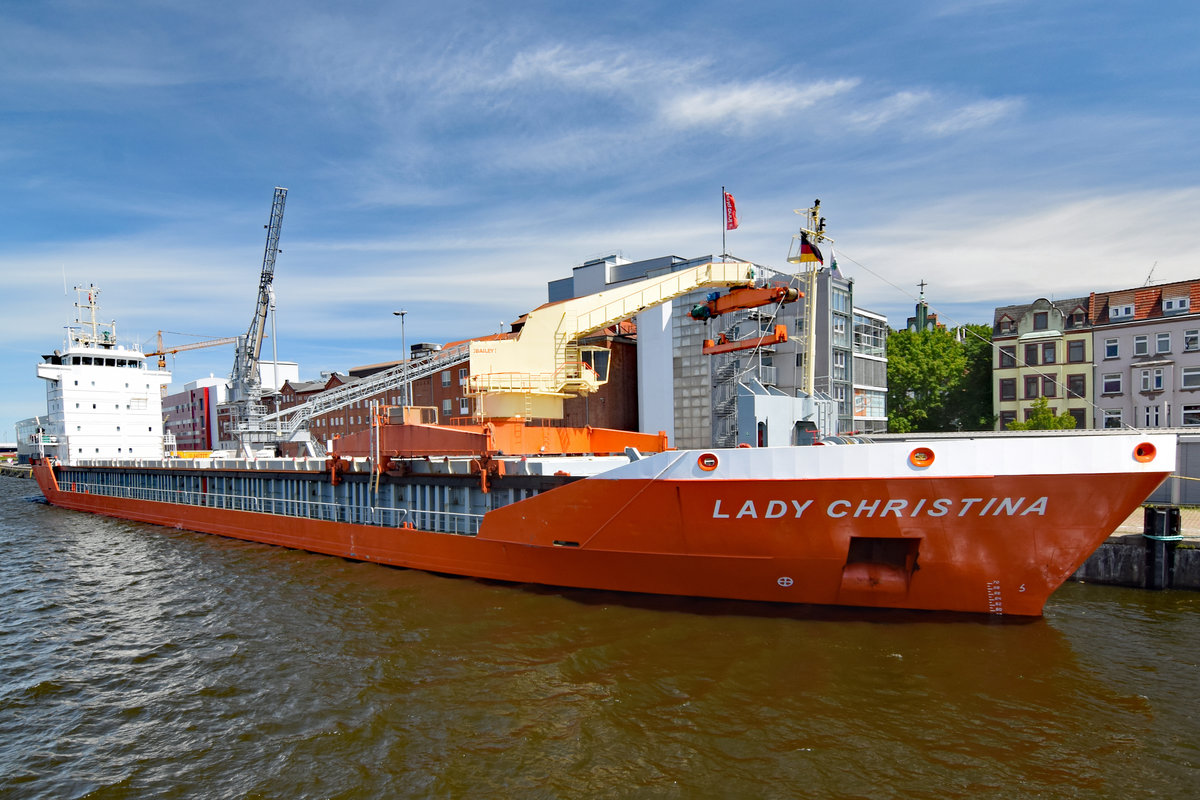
{"points": [[740, 298]]}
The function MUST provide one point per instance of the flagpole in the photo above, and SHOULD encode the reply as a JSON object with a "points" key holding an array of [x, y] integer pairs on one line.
{"points": [[724, 226]]}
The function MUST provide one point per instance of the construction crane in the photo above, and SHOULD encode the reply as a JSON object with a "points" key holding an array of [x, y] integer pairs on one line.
{"points": [[163, 352]]}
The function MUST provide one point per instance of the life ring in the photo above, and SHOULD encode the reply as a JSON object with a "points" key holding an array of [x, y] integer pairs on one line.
{"points": [[921, 457]]}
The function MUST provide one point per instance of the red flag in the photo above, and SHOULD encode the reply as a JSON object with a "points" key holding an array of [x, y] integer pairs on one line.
{"points": [[730, 212]]}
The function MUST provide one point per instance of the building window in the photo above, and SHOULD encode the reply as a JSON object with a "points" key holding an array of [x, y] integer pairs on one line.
{"points": [[446, 378], [1011, 416], [1076, 351], [843, 401], [1191, 340], [1080, 415], [1049, 386], [841, 337], [1112, 349], [1141, 345], [1111, 383], [1152, 380], [1189, 378], [1077, 319], [1112, 418], [1006, 326], [1176, 305], [1041, 320], [1031, 353], [447, 404], [1031, 386], [1077, 385], [1152, 416], [1008, 357], [839, 365], [1121, 312], [1162, 343], [1191, 415], [1048, 352], [464, 406], [1008, 389]]}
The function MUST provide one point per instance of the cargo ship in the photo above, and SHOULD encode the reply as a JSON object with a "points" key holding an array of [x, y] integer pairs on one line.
{"points": [[990, 524]]}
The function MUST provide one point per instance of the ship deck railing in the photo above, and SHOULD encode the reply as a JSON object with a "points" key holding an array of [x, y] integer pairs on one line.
{"points": [[448, 522]]}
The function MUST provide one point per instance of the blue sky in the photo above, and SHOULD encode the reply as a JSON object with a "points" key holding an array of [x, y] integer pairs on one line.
{"points": [[451, 158]]}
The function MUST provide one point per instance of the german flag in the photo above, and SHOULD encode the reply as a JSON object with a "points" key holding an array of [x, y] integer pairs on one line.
{"points": [[809, 251]]}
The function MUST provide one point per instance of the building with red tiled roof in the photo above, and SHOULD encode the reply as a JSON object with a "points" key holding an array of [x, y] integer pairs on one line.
{"points": [[1148, 356], [1123, 358]]}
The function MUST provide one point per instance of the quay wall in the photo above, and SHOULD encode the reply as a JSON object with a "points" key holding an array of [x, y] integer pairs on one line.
{"points": [[1143, 563]]}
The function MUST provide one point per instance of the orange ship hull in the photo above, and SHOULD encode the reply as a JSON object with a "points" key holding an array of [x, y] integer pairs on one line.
{"points": [[907, 538]]}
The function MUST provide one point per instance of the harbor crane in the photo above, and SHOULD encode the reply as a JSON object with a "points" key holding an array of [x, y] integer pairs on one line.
{"points": [[245, 384]]}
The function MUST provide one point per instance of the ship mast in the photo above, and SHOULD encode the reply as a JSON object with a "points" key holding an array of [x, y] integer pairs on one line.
{"points": [[109, 336], [812, 232]]}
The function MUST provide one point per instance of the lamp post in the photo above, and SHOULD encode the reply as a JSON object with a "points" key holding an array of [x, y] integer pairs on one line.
{"points": [[404, 356]]}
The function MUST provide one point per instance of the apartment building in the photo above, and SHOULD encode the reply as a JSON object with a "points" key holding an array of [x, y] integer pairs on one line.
{"points": [[1043, 349], [1147, 344]]}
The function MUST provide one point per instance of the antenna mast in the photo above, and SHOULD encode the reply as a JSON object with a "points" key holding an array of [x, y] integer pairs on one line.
{"points": [[812, 232]]}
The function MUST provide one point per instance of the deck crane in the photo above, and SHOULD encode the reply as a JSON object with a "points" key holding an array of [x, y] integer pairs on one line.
{"points": [[245, 384]]}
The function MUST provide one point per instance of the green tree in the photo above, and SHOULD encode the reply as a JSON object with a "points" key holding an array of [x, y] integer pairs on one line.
{"points": [[923, 366], [1043, 418], [972, 398], [940, 380]]}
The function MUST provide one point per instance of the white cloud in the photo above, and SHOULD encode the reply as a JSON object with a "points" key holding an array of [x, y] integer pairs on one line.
{"points": [[595, 68], [974, 115], [974, 250], [896, 106], [745, 105]]}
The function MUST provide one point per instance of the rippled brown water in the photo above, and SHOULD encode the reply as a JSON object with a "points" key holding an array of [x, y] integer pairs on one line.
{"points": [[142, 662]]}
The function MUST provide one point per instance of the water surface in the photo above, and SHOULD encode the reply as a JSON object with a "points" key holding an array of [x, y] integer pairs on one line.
{"points": [[138, 661]]}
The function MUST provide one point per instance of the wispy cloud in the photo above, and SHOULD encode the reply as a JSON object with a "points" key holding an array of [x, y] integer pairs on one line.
{"points": [[975, 115], [745, 105], [1062, 246]]}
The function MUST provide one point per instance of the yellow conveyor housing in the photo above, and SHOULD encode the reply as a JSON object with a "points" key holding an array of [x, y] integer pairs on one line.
{"points": [[530, 374]]}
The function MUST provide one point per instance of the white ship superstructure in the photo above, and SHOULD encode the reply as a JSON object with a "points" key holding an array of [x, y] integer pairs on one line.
{"points": [[101, 400]]}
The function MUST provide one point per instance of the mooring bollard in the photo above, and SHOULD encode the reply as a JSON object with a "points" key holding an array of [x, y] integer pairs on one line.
{"points": [[1161, 526]]}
